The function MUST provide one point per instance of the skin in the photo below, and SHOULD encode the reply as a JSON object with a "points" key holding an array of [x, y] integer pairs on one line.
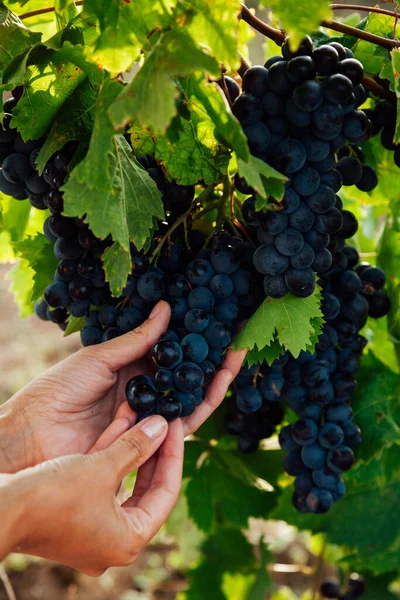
{"points": [[72, 426]]}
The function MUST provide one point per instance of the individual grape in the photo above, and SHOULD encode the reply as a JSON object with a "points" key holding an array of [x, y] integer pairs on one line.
{"points": [[356, 584], [248, 399], [57, 295], [374, 277], [194, 347], [221, 286], [201, 298], [255, 81], [278, 79], [61, 226], [40, 309], [297, 117], [247, 109], [91, 336], [208, 370], [269, 261], [226, 313], [140, 264], [322, 200], [151, 286], [188, 377], [330, 436], [379, 304], [316, 149], [187, 401], [338, 413], [286, 441], [349, 284], [302, 219], [232, 87], [326, 59], [369, 179], [332, 179], [290, 156], [273, 104], [306, 181], [80, 289], [168, 408], [301, 282], [275, 286], [308, 96], [215, 356], [318, 241], [108, 316], [129, 318], [351, 255], [289, 242], [304, 258], [313, 456], [300, 68], [273, 222], [341, 459], [272, 60], [11, 189], [329, 222], [225, 260], [217, 335], [355, 124], [337, 88], [258, 136], [92, 319], [328, 117], [326, 165], [67, 248], [141, 395], [293, 464], [350, 169], [196, 320], [167, 354], [353, 69], [304, 432]]}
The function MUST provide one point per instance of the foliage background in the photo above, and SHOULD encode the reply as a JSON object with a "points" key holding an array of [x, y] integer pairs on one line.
{"points": [[203, 547]]}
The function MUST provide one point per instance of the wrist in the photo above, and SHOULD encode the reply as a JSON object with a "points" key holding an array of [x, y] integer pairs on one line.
{"points": [[11, 514]]}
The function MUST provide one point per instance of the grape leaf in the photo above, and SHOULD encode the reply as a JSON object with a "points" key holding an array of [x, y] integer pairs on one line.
{"points": [[125, 30], [374, 404], [21, 277], [299, 18], [117, 266], [80, 55], [375, 58], [395, 54], [49, 84], [73, 122], [65, 11], [14, 217], [38, 252], [15, 38], [74, 324], [268, 353], [214, 490], [216, 25], [263, 178], [109, 186], [150, 97], [289, 318], [366, 519], [377, 587], [263, 579]]}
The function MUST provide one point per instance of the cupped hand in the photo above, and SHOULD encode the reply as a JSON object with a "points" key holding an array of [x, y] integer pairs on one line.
{"points": [[73, 515], [69, 407]]}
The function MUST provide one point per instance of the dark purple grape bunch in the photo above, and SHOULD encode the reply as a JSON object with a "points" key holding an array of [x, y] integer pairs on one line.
{"points": [[384, 118], [318, 387], [330, 588], [297, 111], [208, 298], [255, 408]]}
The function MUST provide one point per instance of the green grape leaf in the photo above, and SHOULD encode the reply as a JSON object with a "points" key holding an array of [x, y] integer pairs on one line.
{"points": [[125, 30], [299, 19], [21, 277], [262, 177], [80, 55], [14, 217], [65, 11], [268, 353], [263, 580], [374, 405], [205, 581], [15, 38], [215, 491], [74, 324], [366, 520], [216, 25], [37, 252], [73, 122], [117, 266], [150, 97], [377, 587], [375, 58], [109, 186], [290, 319], [143, 140], [49, 84]]}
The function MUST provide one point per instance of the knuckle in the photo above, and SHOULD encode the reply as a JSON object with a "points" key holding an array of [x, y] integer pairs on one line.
{"points": [[133, 446], [140, 528], [140, 333]]}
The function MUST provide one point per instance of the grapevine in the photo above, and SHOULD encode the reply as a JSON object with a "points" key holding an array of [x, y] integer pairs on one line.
{"points": [[247, 198]]}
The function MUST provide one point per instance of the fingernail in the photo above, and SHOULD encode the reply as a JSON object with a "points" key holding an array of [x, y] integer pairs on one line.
{"points": [[157, 309], [154, 426]]}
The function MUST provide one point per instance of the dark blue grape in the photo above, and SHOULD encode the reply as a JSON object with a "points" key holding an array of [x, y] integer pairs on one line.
{"points": [[201, 298], [194, 347], [304, 258], [91, 336], [208, 369], [306, 181], [163, 379], [247, 109], [111, 333], [225, 260], [187, 401], [316, 149], [340, 459], [275, 286], [319, 501], [313, 456], [269, 261], [226, 313], [151, 286], [167, 354], [308, 96], [305, 432], [258, 136], [290, 156], [217, 335], [168, 408], [57, 295], [337, 88], [221, 285], [301, 282], [188, 377], [129, 318], [278, 79]]}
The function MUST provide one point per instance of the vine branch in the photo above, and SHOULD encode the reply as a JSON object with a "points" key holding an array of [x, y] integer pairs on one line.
{"points": [[43, 11], [373, 9], [278, 36]]}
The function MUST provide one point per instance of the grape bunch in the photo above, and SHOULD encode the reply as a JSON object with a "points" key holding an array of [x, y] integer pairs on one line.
{"points": [[297, 111], [384, 118], [256, 408], [330, 588], [318, 387], [206, 298], [353, 169]]}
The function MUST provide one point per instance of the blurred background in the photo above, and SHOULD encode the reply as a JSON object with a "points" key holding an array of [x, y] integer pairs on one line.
{"points": [[27, 348]]}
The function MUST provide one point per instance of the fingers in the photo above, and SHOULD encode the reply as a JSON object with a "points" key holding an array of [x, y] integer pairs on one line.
{"points": [[153, 507], [216, 391], [134, 345], [136, 446], [112, 433]]}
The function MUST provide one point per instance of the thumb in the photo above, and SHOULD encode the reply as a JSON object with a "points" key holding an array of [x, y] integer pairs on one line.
{"points": [[136, 446]]}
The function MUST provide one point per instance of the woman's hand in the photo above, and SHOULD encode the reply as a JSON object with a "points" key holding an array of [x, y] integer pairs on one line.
{"points": [[66, 509], [69, 407]]}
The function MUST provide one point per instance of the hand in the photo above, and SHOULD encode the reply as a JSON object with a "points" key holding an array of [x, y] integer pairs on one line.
{"points": [[70, 406], [70, 513]]}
